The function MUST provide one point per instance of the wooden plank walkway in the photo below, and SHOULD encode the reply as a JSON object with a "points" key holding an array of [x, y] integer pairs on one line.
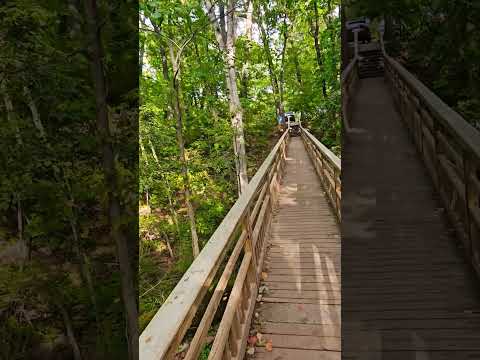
{"points": [[300, 310], [407, 290]]}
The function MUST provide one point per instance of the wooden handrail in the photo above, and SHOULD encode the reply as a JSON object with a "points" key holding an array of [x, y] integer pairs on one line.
{"points": [[326, 152], [456, 124], [328, 167], [349, 79], [164, 333], [450, 149], [348, 70]]}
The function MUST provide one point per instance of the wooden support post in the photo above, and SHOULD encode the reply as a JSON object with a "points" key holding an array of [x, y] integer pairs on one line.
{"points": [[468, 201], [250, 242], [221, 341], [202, 330]]}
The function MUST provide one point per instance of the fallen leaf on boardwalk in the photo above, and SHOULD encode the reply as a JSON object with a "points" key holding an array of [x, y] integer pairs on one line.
{"points": [[183, 347], [264, 275], [269, 345], [252, 340], [263, 289], [260, 339], [259, 297], [300, 307], [251, 350]]}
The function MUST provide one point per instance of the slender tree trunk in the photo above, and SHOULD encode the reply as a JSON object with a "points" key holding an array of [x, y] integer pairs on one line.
{"points": [[82, 257], [141, 55], [249, 20], [77, 355], [298, 71], [34, 111], [226, 42], [22, 246], [21, 241], [9, 108], [248, 34], [173, 213], [282, 66], [344, 37], [84, 265], [145, 158], [236, 111], [318, 50], [128, 287], [271, 68], [177, 110]]}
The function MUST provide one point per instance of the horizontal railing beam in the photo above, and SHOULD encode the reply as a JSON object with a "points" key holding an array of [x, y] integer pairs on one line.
{"points": [[328, 167], [459, 128], [326, 152], [163, 334], [450, 149]]}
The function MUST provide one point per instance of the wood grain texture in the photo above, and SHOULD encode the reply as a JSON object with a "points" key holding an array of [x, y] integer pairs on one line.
{"points": [[407, 289], [300, 312]]}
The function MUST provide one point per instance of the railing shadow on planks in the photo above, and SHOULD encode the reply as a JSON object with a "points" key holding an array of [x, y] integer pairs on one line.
{"points": [[450, 149], [235, 254], [448, 145]]}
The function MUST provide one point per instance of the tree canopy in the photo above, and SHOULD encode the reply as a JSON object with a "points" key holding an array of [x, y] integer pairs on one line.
{"points": [[67, 187], [214, 76], [438, 41]]}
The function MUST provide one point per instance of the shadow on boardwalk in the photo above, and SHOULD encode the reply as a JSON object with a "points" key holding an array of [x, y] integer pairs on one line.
{"points": [[407, 291], [300, 312]]}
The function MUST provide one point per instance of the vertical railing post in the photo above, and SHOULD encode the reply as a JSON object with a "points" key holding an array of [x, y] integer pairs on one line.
{"points": [[249, 246], [337, 205], [355, 39], [468, 201]]}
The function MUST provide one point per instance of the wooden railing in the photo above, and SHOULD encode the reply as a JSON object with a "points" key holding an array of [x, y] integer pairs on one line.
{"points": [[238, 243], [349, 80], [328, 168], [450, 149]]}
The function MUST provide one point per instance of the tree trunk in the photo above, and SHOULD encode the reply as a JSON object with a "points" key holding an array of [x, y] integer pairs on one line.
{"points": [[318, 50], [128, 287], [249, 20], [177, 110], [173, 213], [69, 329], [84, 266], [82, 257], [9, 109], [248, 35], [271, 68], [21, 241], [282, 66], [226, 42], [298, 72], [34, 111], [344, 37], [141, 55]]}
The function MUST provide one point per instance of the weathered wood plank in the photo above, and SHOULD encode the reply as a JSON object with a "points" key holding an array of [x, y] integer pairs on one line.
{"points": [[304, 233], [168, 326]]}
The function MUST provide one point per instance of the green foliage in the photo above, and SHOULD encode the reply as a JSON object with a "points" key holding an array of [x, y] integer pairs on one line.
{"points": [[206, 119], [52, 178], [438, 41]]}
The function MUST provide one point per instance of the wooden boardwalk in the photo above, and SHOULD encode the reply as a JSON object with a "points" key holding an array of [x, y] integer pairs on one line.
{"points": [[300, 308], [408, 292]]}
